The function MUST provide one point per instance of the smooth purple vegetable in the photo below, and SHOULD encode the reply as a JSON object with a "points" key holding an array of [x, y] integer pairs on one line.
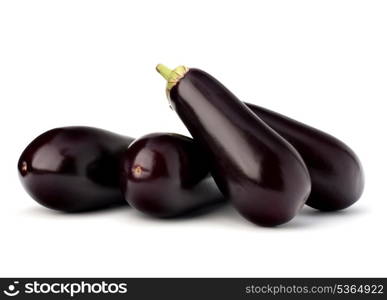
{"points": [[74, 169], [335, 170], [259, 171], [167, 175]]}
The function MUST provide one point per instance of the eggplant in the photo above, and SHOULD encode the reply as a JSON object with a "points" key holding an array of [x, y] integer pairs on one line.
{"points": [[73, 169], [259, 171], [335, 170], [167, 175]]}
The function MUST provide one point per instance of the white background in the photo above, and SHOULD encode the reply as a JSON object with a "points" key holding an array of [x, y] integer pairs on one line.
{"points": [[93, 63]]}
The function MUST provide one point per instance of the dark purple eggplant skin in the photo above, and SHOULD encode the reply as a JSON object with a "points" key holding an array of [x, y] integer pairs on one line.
{"points": [[335, 170], [260, 172], [74, 169], [167, 175]]}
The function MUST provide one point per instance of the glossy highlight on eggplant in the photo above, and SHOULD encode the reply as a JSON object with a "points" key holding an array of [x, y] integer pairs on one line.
{"points": [[335, 170], [73, 169], [167, 175], [258, 170]]}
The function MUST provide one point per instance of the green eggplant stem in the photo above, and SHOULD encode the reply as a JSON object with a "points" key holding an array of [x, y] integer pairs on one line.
{"points": [[164, 71], [171, 76]]}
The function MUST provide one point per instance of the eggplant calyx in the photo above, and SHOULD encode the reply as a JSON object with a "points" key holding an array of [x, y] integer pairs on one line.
{"points": [[172, 76]]}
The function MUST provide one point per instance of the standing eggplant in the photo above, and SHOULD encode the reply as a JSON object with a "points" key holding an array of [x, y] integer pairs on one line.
{"points": [[335, 170], [167, 175], [74, 169], [259, 171]]}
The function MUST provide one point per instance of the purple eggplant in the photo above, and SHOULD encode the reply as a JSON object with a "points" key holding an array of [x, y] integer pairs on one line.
{"points": [[74, 169], [259, 171], [335, 170], [167, 175]]}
